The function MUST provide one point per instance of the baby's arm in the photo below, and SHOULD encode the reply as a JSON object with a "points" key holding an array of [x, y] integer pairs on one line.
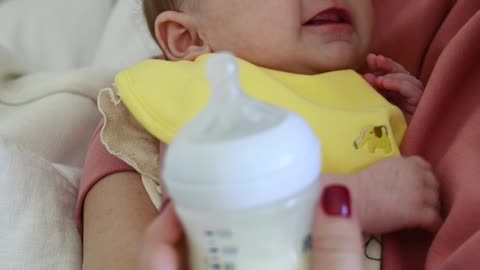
{"points": [[395, 83], [117, 211], [394, 194]]}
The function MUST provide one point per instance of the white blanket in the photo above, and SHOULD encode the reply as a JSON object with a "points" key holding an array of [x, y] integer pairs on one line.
{"points": [[55, 55], [37, 223], [51, 113]]}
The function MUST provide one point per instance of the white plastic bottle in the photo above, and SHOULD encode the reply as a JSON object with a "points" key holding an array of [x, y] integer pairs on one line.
{"points": [[244, 177]]}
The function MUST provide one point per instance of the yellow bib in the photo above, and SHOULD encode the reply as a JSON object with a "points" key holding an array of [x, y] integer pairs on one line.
{"points": [[356, 126]]}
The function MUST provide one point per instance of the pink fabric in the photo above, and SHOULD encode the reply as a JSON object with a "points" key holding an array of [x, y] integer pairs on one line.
{"points": [[439, 41], [99, 163]]}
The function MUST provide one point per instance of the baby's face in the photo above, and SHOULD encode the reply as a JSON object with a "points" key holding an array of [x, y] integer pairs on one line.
{"points": [[301, 36]]}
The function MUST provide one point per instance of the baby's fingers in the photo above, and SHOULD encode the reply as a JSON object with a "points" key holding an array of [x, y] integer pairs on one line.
{"points": [[431, 219], [380, 65], [431, 190], [405, 77], [431, 213], [371, 79], [432, 198], [404, 84], [373, 66]]}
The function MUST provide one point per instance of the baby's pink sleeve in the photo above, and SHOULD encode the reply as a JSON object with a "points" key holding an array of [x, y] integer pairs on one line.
{"points": [[99, 163]]}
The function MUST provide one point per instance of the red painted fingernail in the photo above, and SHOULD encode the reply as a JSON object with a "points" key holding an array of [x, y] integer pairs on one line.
{"points": [[336, 201]]}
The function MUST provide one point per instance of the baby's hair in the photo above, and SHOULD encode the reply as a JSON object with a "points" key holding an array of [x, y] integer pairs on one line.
{"points": [[153, 8]]}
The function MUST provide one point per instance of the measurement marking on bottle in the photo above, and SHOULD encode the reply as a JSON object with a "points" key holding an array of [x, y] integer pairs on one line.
{"points": [[229, 266], [307, 244], [224, 233], [230, 250]]}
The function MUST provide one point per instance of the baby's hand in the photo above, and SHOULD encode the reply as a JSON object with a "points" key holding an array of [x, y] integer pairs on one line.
{"points": [[395, 83], [398, 193]]}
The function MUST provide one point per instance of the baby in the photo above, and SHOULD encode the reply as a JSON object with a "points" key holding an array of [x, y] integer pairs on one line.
{"points": [[312, 37]]}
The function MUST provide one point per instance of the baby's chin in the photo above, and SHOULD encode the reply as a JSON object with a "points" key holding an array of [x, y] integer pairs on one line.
{"points": [[332, 58], [333, 64], [322, 67], [310, 64], [316, 63]]}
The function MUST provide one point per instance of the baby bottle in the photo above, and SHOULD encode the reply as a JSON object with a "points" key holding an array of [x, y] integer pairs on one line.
{"points": [[244, 176]]}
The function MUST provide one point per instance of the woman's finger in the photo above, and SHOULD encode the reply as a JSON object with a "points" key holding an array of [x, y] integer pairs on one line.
{"points": [[336, 234], [163, 257], [163, 242], [166, 228]]}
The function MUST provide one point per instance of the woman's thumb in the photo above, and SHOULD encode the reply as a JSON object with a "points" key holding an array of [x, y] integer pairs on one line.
{"points": [[163, 241], [336, 233]]}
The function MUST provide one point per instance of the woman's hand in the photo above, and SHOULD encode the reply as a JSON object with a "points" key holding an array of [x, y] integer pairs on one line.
{"points": [[336, 236]]}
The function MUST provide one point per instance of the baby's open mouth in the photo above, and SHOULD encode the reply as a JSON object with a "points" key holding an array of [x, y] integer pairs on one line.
{"points": [[330, 16]]}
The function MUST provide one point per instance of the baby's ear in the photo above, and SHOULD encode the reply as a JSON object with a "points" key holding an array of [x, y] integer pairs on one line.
{"points": [[177, 33]]}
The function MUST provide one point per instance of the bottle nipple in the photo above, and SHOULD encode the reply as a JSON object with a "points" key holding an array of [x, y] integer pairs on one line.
{"points": [[231, 114]]}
